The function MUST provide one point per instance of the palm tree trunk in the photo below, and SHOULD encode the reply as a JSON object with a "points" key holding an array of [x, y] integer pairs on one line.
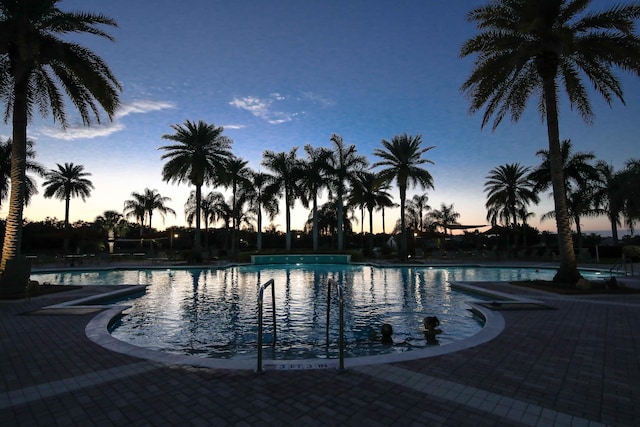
{"points": [[314, 232], [614, 229], [403, 225], [370, 229], [259, 235], [65, 244], [196, 234], [13, 233], [340, 221], [568, 269], [287, 220]]}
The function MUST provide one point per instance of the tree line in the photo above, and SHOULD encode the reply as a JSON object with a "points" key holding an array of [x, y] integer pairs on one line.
{"points": [[523, 48]]}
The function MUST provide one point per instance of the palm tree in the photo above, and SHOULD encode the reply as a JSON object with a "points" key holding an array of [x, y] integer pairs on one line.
{"points": [[286, 176], [207, 211], [402, 161], [629, 178], [37, 68], [343, 163], [113, 224], [30, 165], [259, 197], [579, 178], [444, 217], [236, 175], [312, 180], [198, 157], [147, 203], [64, 183], [528, 47], [421, 203], [369, 194], [609, 197], [510, 189], [384, 200], [136, 208]]}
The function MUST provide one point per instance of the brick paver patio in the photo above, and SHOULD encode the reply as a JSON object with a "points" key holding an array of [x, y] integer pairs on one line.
{"points": [[576, 365]]}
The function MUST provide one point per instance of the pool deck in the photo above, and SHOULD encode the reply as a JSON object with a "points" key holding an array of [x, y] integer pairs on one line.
{"points": [[576, 364]]}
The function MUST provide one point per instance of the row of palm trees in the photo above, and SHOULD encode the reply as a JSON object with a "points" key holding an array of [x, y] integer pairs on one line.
{"points": [[592, 189], [523, 47], [202, 156]]}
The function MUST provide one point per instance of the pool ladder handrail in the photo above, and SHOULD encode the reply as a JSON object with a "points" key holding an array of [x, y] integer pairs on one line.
{"points": [[331, 282], [264, 286]]}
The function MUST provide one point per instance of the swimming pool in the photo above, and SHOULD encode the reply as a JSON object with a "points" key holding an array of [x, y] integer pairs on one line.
{"points": [[213, 312]]}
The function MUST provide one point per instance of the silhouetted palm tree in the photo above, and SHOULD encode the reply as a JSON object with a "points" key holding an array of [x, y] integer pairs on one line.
{"points": [[5, 171], [609, 197], [38, 68], [236, 176], [144, 204], [285, 169], [312, 180], [402, 161], [367, 193], [579, 178], [198, 157], [64, 183], [343, 163], [113, 224], [259, 197], [509, 189], [528, 47], [629, 179], [444, 217]]}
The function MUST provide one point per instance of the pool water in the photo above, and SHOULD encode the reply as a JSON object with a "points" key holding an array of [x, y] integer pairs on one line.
{"points": [[213, 312]]}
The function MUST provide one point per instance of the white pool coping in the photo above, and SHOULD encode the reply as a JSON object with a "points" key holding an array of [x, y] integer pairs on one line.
{"points": [[97, 330]]}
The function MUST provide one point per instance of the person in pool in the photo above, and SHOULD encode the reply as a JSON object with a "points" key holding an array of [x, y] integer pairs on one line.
{"points": [[431, 329], [387, 331]]}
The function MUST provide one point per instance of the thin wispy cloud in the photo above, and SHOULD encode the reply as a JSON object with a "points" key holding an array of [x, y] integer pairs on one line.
{"points": [[105, 129], [264, 108]]}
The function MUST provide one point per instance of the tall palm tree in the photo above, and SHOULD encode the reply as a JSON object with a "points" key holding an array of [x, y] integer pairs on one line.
{"points": [[421, 203], [136, 208], [30, 165], [343, 163], [259, 197], [528, 47], [508, 187], [37, 69], [579, 178], [402, 161], [629, 178], [285, 169], [312, 181], [369, 195], [198, 157], [384, 200], [64, 183], [609, 197], [236, 176]]}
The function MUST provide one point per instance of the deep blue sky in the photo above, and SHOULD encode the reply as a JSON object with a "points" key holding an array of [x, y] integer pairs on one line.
{"points": [[283, 73]]}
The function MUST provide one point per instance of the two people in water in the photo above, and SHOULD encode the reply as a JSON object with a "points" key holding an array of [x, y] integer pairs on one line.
{"points": [[430, 331]]}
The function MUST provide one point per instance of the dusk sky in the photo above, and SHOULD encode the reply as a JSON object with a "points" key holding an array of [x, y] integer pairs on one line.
{"points": [[283, 73]]}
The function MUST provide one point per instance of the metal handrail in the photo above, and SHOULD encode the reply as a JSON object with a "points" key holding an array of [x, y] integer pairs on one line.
{"points": [[331, 282], [273, 310], [622, 262]]}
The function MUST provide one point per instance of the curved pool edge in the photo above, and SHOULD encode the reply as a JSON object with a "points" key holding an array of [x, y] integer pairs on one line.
{"points": [[97, 330]]}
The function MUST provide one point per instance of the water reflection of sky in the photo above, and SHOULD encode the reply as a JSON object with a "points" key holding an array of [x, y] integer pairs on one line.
{"points": [[213, 312]]}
